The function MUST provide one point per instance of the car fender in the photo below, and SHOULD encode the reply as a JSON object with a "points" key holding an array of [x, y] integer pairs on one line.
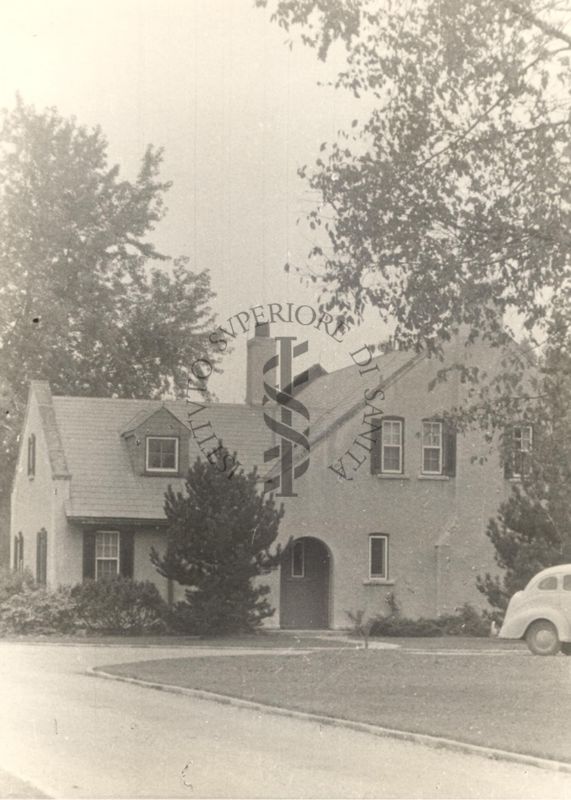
{"points": [[516, 624]]}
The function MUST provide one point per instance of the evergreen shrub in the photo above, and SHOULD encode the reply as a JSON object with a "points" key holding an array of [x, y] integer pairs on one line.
{"points": [[466, 621], [119, 605]]}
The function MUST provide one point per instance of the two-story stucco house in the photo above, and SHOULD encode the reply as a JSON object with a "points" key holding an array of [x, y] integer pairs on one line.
{"points": [[391, 501]]}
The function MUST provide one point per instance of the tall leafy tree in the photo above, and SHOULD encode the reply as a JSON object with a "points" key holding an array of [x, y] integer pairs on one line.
{"points": [[86, 300], [448, 200], [533, 527], [220, 539]]}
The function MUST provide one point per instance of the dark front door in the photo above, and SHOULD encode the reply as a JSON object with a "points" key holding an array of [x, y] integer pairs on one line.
{"points": [[304, 585]]}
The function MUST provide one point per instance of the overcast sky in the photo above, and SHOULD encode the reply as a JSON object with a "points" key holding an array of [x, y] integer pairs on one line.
{"points": [[237, 111]]}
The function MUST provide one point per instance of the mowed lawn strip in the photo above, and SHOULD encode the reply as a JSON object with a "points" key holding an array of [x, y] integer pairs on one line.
{"points": [[261, 640], [509, 700]]}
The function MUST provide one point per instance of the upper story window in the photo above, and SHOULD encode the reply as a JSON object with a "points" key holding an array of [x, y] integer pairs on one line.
{"points": [[432, 448], [31, 455], [438, 456], [106, 554], [392, 445], [378, 556], [162, 454], [518, 457]]}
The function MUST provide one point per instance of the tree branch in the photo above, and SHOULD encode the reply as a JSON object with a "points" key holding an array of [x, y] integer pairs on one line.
{"points": [[550, 30]]}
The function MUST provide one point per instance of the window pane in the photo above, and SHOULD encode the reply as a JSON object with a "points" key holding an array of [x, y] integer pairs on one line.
{"points": [[548, 584], [107, 568], [162, 453], [431, 459], [567, 583], [431, 434], [107, 545], [391, 459], [297, 560], [378, 556], [392, 432], [522, 438]]}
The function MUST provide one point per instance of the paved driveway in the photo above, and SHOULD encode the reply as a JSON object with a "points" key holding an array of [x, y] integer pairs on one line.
{"points": [[74, 735]]}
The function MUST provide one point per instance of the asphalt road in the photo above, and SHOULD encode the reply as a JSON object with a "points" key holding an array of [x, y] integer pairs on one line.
{"points": [[74, 735]]}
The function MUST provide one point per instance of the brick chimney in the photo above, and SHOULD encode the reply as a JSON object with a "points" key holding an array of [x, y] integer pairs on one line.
{"points": [[260, 349]]}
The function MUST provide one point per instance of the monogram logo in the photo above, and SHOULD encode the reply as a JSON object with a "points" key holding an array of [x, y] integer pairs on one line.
{"points": [[294, 443]]}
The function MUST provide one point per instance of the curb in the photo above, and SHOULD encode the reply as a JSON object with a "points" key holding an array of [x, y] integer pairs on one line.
{"points": [[435, 742]]}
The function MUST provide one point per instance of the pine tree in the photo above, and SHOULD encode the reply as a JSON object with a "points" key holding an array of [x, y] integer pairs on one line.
{"points": [[219, 541]]}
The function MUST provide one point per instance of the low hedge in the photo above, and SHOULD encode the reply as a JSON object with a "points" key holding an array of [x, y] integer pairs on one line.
{"points": [[467, 621], [38, 611], [118, 605]]}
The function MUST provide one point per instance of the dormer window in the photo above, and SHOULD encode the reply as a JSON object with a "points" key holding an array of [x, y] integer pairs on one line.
{"points": [[162, 454]]}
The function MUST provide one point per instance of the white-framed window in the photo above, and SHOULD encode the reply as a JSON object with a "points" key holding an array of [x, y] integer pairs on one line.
{"points": [[162, 454], [106, 554], [521, 447], [378, 556], [298, 559], [391, 445], [432, 447]]}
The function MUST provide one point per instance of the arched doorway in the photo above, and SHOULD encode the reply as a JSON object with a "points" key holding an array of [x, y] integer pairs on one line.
{"points": [[304, 585]]}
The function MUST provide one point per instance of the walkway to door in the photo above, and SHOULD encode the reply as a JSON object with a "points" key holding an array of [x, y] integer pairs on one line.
{"points": [[304, 585]]}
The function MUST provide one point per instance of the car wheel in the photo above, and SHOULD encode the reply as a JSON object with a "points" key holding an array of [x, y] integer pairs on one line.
{"points": [[542, 638], [566, 648]]}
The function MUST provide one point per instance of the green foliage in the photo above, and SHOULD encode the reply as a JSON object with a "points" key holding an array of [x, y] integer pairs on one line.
{"points": [[14, 582], [466, 621], [35, 610], [219, 541], [82, 285], [447, 200], [119, 605], [532, 529]]}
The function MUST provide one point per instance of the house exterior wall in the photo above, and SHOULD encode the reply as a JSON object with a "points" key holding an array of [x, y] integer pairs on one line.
{"points": [[436, 525], [33, 499]]}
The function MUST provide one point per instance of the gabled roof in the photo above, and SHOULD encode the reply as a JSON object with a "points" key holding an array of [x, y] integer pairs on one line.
{"points": [[56, 452], [147, 413], [104, 483]]}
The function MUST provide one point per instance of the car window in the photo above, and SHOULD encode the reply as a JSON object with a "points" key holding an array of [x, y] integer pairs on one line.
{"points": [[548, 584], [567, 583]]}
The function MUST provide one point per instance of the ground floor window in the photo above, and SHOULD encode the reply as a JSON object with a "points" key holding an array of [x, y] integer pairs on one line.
{"points": [[108, 554], [378, 556]]}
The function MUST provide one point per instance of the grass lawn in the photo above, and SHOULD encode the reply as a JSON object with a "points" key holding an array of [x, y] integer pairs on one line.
{"points": [[476, 691], [260, 639]]}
